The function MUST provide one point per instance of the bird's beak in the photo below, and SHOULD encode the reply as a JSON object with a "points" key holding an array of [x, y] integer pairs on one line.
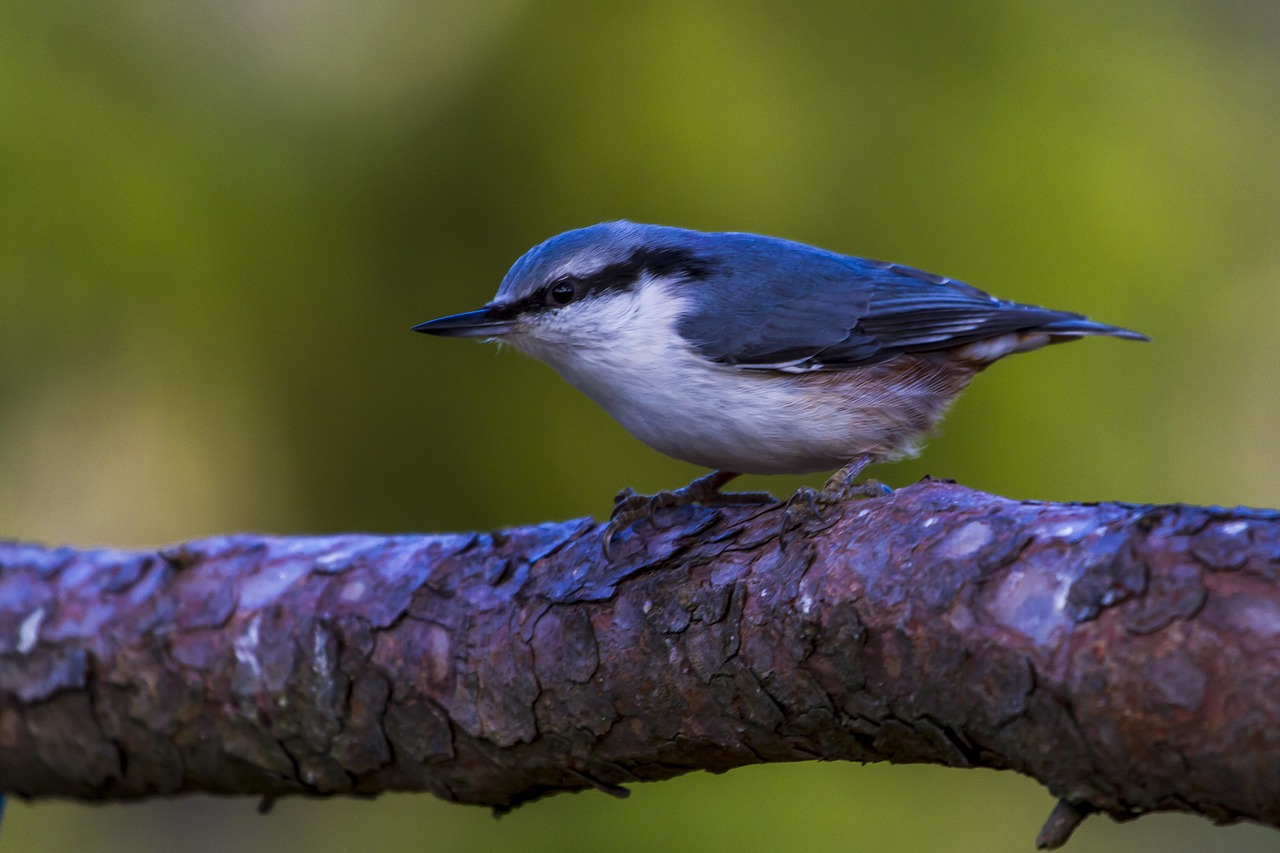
{"points": [[484, 323]]}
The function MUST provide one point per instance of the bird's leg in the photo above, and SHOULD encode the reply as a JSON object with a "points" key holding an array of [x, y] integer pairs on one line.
{"points": [[629, 507], [840, 486]]}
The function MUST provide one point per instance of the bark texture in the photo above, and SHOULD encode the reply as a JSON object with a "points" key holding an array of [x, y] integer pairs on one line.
{"points": [[1127, 657]]}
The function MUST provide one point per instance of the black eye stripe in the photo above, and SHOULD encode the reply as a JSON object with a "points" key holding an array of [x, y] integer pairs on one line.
{"points": [[619, 277], [662, 262], [623, 276]]}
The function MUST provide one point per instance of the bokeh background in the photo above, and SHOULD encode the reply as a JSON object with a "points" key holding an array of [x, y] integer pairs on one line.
{"points": [[219, 220]]}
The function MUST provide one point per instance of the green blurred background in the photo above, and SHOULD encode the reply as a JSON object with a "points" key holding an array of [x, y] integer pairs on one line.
{"points": [[219, 220]]}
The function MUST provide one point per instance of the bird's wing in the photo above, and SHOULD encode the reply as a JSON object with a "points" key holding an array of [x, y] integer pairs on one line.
{"points": [[833, 312]]}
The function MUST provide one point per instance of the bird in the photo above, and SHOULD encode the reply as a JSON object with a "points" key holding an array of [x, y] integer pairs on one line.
{"points": [[751, 354]]}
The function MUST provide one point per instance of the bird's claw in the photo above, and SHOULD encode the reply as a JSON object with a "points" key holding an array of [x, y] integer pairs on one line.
{"points": [[808, 503], [629, 507]]}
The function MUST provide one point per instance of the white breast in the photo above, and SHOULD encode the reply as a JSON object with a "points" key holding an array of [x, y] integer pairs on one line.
{"points": [[635, 365]]}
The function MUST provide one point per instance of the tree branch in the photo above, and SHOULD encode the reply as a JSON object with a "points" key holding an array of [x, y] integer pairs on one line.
{"points": [[1127, 657]]}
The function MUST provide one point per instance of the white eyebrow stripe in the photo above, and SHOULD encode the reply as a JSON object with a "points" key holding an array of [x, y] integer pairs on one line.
{"points": [[585, 265]]}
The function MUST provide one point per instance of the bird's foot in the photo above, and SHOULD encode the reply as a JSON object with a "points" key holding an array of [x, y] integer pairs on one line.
{"points": [[840, 487], [813, 501], [629, 507]]}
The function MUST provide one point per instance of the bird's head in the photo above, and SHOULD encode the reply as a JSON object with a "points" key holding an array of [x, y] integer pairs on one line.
{"points": [[587, 288]]}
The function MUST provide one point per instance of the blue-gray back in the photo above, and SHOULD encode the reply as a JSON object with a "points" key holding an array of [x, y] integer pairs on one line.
{"points": [[771, 303], [762, 302]]}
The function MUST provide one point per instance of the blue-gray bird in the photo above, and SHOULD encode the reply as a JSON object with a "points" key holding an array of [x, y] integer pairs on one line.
{"points": [[752, 354]]}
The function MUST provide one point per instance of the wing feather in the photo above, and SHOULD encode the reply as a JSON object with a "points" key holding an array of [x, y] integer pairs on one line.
{"points": [[796, 309]]}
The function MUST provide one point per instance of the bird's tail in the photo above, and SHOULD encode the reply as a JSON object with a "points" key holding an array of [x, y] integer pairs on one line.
{"points": [[1055, 328], [1077, 326]]}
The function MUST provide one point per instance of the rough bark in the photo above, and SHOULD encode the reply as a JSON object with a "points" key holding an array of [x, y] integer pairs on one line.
{"points": [[1127, 657]]}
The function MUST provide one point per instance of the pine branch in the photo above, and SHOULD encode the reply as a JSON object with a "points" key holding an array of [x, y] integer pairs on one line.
{"points": [[1127, 657]]}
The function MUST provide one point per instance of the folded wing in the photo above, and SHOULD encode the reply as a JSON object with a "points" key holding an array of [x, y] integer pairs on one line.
{"points": [[833, 312]]}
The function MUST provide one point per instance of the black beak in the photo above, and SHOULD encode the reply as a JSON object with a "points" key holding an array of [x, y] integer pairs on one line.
{"points": [[473, 324]]}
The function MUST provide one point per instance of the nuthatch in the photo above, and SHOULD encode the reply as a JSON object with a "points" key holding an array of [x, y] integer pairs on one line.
{"points": [[752, 354]]}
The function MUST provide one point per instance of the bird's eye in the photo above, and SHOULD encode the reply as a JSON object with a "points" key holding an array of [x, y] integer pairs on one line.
{"points": [[562, 292]]}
